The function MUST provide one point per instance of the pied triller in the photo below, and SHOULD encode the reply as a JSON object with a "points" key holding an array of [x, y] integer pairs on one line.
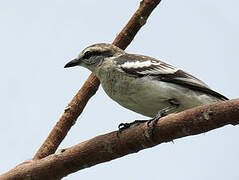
{"points": [[144, 84]]}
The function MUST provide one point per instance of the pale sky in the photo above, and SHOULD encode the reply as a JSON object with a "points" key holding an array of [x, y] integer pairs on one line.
{"points": [[39, 37]]}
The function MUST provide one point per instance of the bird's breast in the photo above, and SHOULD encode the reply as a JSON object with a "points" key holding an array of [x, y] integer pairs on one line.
{"points": [[137, 94]]}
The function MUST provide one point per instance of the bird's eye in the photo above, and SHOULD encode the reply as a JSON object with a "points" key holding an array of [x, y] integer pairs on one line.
{"points": [[87, 55]]}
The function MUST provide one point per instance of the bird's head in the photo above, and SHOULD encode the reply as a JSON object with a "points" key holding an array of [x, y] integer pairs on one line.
{"points": [[94, 55]]}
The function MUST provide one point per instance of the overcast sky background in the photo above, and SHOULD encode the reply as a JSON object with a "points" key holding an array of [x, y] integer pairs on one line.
{"points": [[37, 38]]}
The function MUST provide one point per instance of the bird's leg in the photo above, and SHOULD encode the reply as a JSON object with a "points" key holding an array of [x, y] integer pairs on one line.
{"points": [[173, 104]]}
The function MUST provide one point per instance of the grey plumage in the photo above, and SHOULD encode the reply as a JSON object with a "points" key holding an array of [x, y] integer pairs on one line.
{"points": [[144, 84]]}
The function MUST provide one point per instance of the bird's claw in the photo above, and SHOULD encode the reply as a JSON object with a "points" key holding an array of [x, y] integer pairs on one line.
{"points": [[123, 126]]}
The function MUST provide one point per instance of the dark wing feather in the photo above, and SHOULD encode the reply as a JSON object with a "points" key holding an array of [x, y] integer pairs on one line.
{"points": [[141, 66]]}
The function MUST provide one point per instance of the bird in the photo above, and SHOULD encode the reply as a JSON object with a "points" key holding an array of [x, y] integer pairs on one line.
{"points": [[144, 84]]}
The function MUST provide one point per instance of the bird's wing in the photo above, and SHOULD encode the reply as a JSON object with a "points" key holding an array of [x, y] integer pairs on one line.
{"points": [[146, 66]]}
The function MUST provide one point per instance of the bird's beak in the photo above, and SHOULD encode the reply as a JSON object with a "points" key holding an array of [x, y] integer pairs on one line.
{"points": [[72, 63]]}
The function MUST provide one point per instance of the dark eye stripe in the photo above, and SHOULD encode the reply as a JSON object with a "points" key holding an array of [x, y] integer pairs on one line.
{"points": [[88, 54]]}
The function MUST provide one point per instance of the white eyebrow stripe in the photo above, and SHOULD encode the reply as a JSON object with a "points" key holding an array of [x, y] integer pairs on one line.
{"points": [[94, 48]]}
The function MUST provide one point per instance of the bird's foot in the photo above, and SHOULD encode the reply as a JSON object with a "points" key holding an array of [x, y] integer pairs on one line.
{"points": [[123, 126], [173, 104]]}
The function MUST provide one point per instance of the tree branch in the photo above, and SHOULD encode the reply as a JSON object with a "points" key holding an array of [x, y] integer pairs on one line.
{"points": [[108, 147], [78, 103]]}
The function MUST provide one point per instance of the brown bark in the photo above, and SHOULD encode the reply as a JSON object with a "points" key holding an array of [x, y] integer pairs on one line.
{"points": [[78, 103], [107, 147]]}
